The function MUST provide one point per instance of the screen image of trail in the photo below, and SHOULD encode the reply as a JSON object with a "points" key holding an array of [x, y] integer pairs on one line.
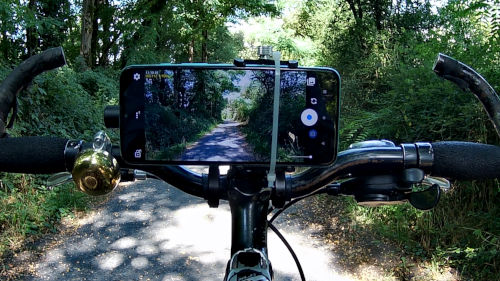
{"points": [[221, 115]]}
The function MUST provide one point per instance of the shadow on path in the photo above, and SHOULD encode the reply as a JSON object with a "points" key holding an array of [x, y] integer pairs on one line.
{"points": [[140, 234], [146, 231], [149, 230]]}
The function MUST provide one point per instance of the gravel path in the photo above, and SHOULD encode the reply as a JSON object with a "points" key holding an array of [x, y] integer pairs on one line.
{"points": [[151, 231], [224, 143]]}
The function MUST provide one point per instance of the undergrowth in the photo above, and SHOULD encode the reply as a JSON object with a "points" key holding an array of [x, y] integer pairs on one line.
{"points": [[28, 209], [65, 103], [463, 231]]}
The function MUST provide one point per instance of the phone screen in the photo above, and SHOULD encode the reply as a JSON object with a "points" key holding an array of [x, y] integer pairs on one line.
{"points": [[176, 114]]}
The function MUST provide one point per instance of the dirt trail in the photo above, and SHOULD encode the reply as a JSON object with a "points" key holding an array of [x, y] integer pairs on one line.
{"points": [[149, 230], [223, 143]]}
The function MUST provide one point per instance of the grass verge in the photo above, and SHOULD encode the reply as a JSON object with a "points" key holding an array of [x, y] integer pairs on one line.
{"points": [[462, 232], [29, 210]]}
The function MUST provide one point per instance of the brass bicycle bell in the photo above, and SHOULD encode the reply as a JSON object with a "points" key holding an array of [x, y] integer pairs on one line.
{"points": [[96, 171]]}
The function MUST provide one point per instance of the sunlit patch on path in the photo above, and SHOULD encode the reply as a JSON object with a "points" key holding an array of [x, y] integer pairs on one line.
{"points": [[149, 230]]}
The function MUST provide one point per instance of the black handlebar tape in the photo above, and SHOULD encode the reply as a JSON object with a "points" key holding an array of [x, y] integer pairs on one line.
{"points": [[32, 155], [466, 160], [22, 75]]}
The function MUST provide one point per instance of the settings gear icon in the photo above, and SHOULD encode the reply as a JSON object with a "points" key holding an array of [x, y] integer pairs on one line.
{"points": [[137, 76]]}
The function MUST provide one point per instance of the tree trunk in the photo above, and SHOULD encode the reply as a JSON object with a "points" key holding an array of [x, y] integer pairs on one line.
{"points": [[357, 12], [96, 16], [104, 58], [31, 33], [191, 51], [5, 45], [87, 31], [107, 40], [93, 40], [204, 53], [377, 12]]}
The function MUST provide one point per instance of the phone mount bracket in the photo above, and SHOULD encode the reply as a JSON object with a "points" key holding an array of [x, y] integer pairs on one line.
{"points": [[211, 186], [244, 62]]}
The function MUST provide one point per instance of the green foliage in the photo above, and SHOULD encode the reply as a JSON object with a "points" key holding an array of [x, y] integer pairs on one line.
{"points": [[409, 111], [127, 32], [226, 52], [66, 104], [462, 231], [268, 32], [389, 91], [384, 51], [102, 84], [256, 108], [62, 103], [27, 211], [27, 27], [178, 31]]}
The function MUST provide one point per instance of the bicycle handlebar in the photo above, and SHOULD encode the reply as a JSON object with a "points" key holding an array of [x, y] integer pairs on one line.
{"points": [[177, 176], [459, 160], [467, 78], [363, 161], [465, 160], [35, 155], [22, 75]]}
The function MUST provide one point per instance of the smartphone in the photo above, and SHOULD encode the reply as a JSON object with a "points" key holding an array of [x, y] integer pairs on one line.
{"points": [[203, 114]]}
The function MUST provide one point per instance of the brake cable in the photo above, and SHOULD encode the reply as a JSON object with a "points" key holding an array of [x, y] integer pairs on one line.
{"points": [[289, 204], [281, 237], [294, 256]]}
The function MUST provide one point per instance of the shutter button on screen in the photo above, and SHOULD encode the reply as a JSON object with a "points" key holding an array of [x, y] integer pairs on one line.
{"points": [[309, 117]]}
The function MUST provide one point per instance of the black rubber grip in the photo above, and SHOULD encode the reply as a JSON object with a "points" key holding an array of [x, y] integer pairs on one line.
{"points": [[466, 160], [32, 155]]}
